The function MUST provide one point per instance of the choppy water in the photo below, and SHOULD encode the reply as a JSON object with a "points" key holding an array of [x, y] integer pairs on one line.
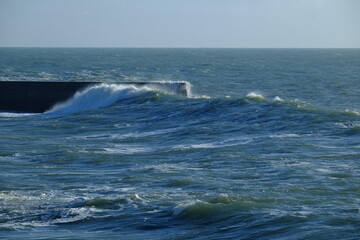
{"points": [[266, 147]]}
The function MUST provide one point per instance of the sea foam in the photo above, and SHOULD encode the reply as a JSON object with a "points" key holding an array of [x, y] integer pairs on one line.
{"points": [[255, 96], [101, 95], [105, 94]]}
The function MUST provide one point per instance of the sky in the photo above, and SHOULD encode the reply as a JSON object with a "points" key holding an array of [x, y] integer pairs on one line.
{"points": [[180, 23]]}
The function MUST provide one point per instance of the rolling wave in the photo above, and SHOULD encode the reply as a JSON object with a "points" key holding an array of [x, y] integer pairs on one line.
{"points": [[97, 96], [105, 94]]}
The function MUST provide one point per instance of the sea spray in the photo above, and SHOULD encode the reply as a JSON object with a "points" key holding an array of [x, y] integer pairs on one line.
{"points": [[97, 96], [162, 166], [106, 94]]}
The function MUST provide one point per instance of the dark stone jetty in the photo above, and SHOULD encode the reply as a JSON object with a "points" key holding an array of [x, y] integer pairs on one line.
{"points": [[38, 97]]}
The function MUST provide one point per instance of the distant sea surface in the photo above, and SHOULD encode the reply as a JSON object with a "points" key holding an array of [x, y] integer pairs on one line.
{"points": [[266, 146]]}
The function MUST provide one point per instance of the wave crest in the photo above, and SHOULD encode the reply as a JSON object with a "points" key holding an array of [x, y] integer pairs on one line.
{"points": [[101, 95], [106, 94], [255, 96]]}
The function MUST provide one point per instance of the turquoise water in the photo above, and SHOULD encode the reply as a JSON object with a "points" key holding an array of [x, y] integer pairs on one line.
{"points": [[267, 146]]}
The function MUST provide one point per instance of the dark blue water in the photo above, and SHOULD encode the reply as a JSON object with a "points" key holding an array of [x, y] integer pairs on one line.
{"points": [[266, 147]]}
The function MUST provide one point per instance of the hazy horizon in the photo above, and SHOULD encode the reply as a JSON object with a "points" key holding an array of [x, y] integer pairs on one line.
{"points": [[188, 47], [180, 24]]}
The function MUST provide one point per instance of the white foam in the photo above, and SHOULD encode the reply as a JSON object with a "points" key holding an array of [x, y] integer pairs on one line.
{"points": [[16, 115], [126, 149], [199, 96], [285, 135], [348, 125], [278, 99], [101, 95], [256, 96], [42, 209], [168, 168], [218, 144], [197, 146], [180, 208], [353, 112], [106, 94], [73, 215], [323, 170]]}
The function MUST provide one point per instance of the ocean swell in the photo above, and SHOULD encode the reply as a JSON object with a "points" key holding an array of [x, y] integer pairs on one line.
{"points": [[105, 94]]}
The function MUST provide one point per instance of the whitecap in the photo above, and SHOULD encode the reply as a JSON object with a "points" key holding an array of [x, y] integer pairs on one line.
{"points": [[180, 208], [106, 94], [278, 99], [101, 95], [352, 112], [255, 96]]}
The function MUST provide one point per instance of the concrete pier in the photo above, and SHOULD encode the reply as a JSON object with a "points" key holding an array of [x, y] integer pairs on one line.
{"points": [[38, 97]]}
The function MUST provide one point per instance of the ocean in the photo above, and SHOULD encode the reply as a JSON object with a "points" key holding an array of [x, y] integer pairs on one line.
{"points": [[266, 145]]}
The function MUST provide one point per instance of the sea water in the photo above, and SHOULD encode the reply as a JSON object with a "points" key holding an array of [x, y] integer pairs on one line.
{"points": [[266, 146]]}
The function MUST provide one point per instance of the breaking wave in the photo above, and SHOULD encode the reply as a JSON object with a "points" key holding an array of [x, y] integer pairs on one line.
{"points": [[97, 96], [104, 95]]}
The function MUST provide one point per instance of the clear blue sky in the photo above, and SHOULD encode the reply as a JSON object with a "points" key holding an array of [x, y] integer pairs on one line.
{"points": [[180, 23]]}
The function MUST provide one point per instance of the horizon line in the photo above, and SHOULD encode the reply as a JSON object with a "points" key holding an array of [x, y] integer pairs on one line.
{"points": [[181, 47]]}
